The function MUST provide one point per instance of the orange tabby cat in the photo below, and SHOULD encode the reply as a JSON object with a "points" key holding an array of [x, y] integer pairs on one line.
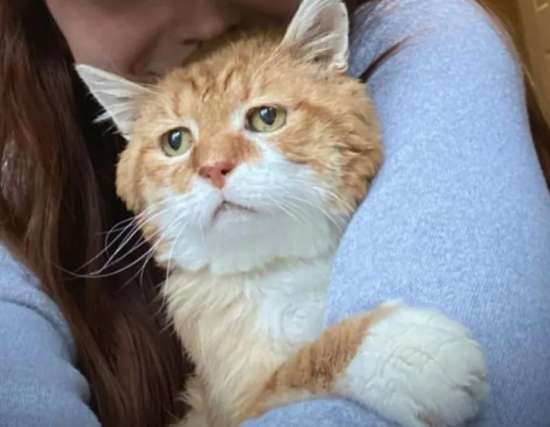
{"points": [[246, 165]]}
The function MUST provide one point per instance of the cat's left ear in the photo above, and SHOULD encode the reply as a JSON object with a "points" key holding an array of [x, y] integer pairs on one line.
{"points": [[117, 95], [319, 32]]}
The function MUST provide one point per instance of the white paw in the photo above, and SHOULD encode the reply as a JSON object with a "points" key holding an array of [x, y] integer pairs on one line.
{"points": [[418, 368]]}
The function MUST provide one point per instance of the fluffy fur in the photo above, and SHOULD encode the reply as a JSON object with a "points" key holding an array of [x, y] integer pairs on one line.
{"points": [[248, 254]]}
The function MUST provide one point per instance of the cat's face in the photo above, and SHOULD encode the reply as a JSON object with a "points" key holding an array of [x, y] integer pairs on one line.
{"points": [[251, 153]]}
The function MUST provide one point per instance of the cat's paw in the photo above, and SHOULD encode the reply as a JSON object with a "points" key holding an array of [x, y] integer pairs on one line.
{"points": [[419, 368]]}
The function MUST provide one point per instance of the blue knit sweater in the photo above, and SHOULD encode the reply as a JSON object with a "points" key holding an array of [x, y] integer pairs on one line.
{"points": [[459, 219]]}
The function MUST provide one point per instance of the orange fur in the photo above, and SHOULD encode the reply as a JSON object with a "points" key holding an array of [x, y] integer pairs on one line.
{"points": [[331, 128], [246, 219], [331, 124], [230, 147], [313, 370]]}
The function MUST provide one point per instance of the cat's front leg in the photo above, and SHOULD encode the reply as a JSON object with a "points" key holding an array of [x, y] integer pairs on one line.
{"points": [[413, 366], [419, 368]]}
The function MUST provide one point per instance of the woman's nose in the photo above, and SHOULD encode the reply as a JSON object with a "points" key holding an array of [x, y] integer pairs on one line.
{"points": [[190, 23]]}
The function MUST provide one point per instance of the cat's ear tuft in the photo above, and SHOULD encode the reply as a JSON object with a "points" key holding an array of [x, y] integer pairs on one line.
{"points": [[319, 32], [117, 95]]}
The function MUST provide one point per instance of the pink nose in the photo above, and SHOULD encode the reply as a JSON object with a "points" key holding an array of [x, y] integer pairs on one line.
{"points": [[217, 172]]}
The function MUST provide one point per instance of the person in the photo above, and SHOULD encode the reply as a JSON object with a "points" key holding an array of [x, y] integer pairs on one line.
{"points": [[458, 218]]}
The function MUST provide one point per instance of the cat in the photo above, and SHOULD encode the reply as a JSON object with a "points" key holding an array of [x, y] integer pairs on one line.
{"points": [[243, 168]]}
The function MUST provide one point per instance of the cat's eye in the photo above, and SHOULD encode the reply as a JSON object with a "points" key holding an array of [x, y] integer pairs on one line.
{"points": [[176, 142], [266, 118]]}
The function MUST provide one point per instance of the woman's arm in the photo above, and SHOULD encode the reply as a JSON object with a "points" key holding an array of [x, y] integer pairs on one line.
{"points": [[39, 385], [459, 217]]}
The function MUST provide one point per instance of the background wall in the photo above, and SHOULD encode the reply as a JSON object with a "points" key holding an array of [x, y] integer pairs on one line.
{"points": [[529, 23], [508, 11]]}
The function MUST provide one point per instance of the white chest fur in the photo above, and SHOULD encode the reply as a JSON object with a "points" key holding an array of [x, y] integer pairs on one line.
{"points": [[292, 302], [239, 328]]}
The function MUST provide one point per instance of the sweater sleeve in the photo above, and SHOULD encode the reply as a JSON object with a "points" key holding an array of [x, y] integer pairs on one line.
{"points": [[459, 216], [39, 384]]}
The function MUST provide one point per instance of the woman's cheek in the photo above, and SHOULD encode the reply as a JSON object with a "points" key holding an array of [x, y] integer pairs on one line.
{"points": [[117, 40], [279, 9]]}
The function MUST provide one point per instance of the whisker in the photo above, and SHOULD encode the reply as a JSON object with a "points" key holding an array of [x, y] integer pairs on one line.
{"points": [[335, 221], [143, 218], [108, 246], [171, 255], [113, 257], [151, 252]]}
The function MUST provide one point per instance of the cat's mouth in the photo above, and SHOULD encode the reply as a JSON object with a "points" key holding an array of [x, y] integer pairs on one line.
{"points": [[227, 207]]}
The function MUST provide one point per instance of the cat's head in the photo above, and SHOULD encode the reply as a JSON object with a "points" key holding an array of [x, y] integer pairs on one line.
{"points": [[259, 149]]}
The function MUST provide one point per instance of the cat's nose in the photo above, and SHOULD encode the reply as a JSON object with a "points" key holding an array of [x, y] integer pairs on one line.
{"points": [[217, 172]]}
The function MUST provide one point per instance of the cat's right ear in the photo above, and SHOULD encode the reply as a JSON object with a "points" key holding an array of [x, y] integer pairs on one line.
{"points": [[319, 33], [117, 95]]}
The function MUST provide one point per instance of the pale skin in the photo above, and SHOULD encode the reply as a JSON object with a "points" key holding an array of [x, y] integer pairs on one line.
{"points": [[142, 39]]}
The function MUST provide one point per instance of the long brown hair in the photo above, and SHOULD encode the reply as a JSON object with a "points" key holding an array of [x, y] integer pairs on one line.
{"points": [[57, 199]]}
